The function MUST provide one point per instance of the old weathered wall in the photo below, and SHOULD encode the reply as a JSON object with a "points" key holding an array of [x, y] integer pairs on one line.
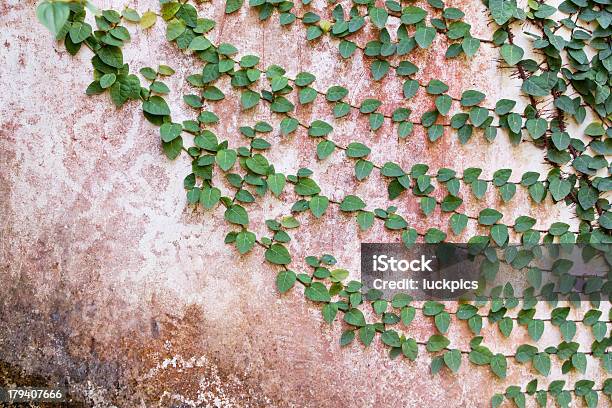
{"points": [[109, 281]]}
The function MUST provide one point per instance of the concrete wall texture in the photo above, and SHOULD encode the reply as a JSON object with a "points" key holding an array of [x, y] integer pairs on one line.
{"points": [[111, 282]]}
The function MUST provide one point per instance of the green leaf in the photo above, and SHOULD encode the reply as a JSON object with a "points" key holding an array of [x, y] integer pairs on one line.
{"points": [[173, 149], [475, 325], [111, 55], [503, 106], [436, 364], [541, 362], [595, 129], [559, 188], [330, 310], [428, 204], [525, 353], [336, 93], [452, 359], [431, 308], [434, 236], [199, 43], [536, 127], [410, 349], [276, 183], [319, 128], [347, 48], [369, 105], [514, 122], [413, 15], [318, 205], [424, 36], [209, 197], [511, 53], [366, 334], [458, 222], [479, 188], [108, 80], [471, 98], [499, 233], [278, 255], [499, 365], [435, 132], [502, 10], [193, 100], [579, 361], [148, 19], [395, 222], [352, 203], [307, 95], [407, 315], [212, 93], [236, 214], [170, 131], [317, 292], [285, 280], [587, 196], [376, 121], [245, 240], [480, 355], [478, 115], [505, 326], [226, 158], [378, 16], [489, 216], [304, 79], [289, 222], [523, 223], [233, 5], [535, 328], [288, 125], [535, 86], [437, 342], [450, 203], [249, 99], [325, 148], [175, 29], [79, 32], [443, 104], [442, 321], [347, 337], [391, 338], [497, 400], [307, 187], [507, 191], [130, 15], [470, 45], [390, 169], [436, 87], [379, 69], [357, 150], [354, 317], [537, 191], [599, 330], [365, 219], [278, 83], [53, 15], [156, 105]]}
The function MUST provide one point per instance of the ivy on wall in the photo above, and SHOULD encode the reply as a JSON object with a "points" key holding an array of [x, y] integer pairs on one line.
{"points": [[566, 81]]}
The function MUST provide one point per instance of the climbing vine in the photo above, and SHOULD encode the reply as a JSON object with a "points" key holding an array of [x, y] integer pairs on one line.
{"points": [[563, 65]]}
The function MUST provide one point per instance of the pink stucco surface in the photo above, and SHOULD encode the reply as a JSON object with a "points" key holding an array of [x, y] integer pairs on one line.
{"points": [[109, 279]]}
